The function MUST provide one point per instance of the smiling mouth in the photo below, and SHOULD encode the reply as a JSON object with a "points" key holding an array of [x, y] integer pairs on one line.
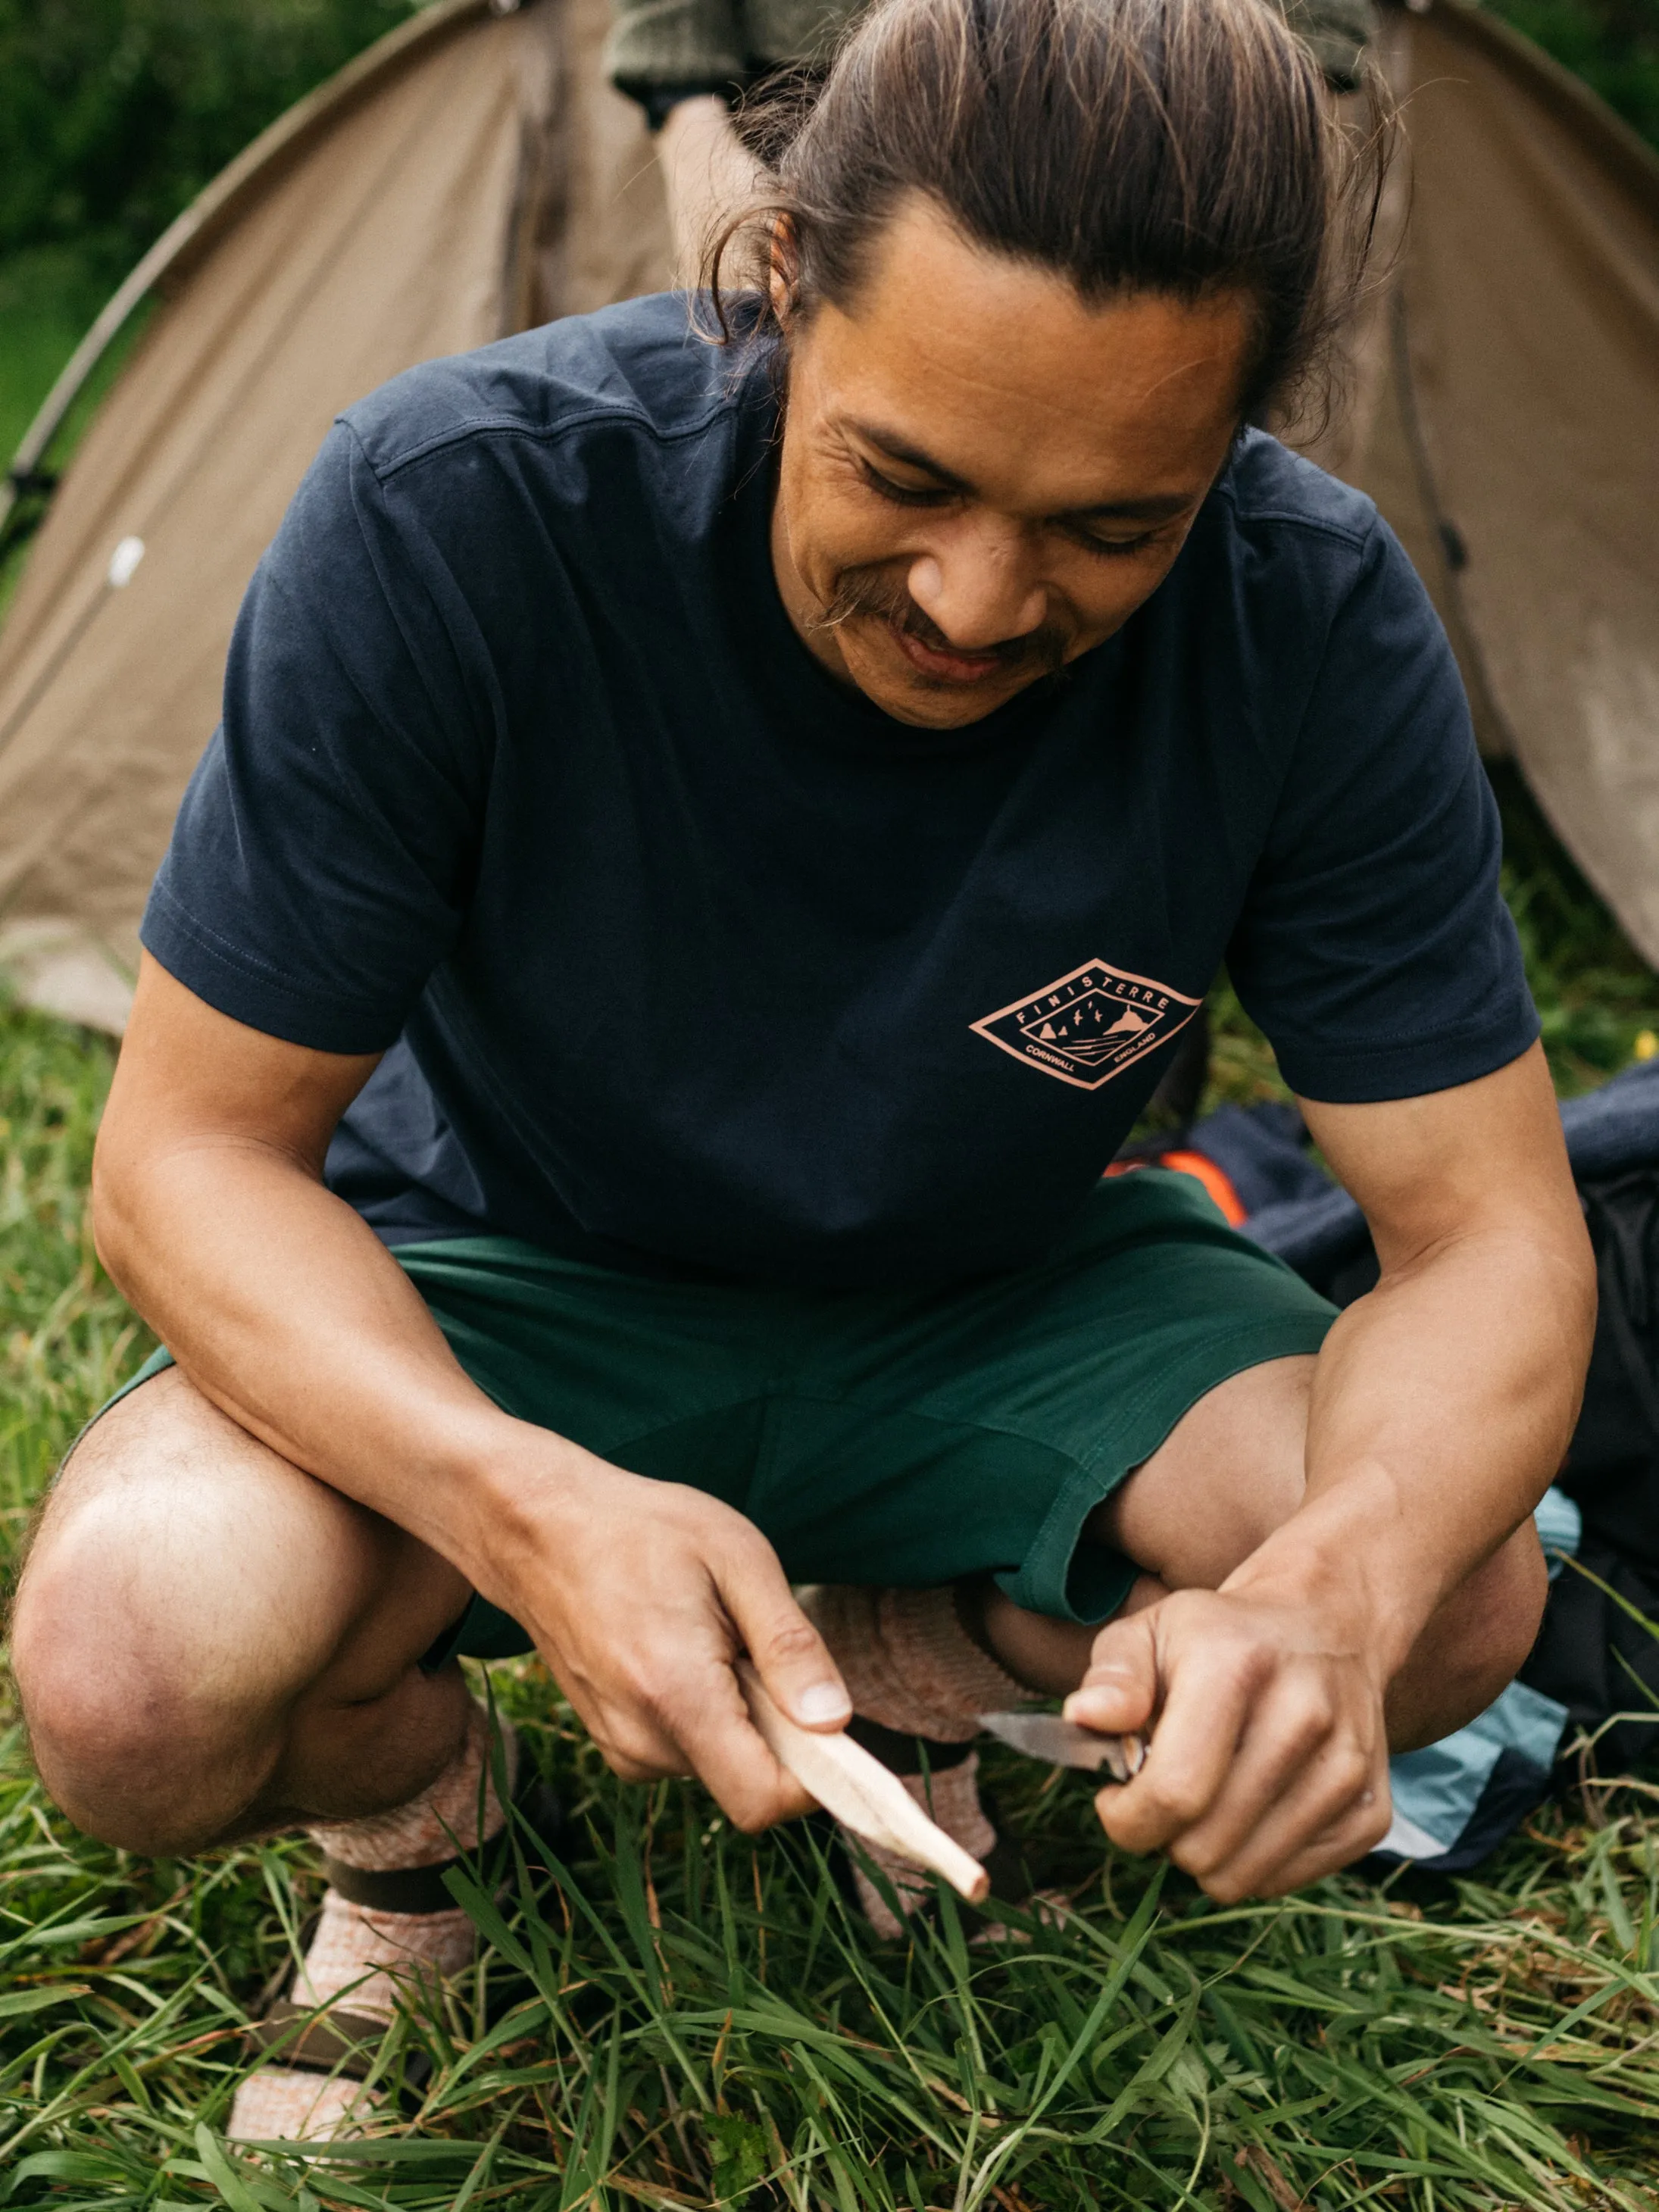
{"points": [[945, 664], [876, 596]]}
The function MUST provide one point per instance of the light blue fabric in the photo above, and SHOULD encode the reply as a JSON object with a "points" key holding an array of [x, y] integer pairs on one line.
{"points": [[1436, 1790], [1560, 1527]]}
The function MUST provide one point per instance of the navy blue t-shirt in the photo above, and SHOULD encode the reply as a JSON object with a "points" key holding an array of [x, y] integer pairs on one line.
{"points": [[682, 954]]}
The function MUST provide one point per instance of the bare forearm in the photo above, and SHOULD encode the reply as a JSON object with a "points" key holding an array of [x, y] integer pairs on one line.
{"points": [[709, 177], [283, 1308], [286, 1310], [1442, 1406]]}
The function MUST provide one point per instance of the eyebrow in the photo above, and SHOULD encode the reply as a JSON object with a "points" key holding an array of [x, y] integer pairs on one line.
{"points": [[1163, 507]]}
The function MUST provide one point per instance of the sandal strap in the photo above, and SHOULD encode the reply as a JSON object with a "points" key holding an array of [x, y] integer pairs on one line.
{"points": [[334, 2042], [394, 1889], [422, 1889], [340, 2041]]}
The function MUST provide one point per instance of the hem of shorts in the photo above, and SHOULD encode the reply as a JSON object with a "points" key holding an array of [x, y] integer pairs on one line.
{"points": [[462, 1634], [1042, 1581], [152, 1364]]}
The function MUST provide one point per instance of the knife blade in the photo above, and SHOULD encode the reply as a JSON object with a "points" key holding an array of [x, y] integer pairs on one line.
{"points": [[1062, 1743]]}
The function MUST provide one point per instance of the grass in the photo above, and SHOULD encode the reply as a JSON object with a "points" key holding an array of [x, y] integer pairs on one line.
{"points": [[697, 2021]]}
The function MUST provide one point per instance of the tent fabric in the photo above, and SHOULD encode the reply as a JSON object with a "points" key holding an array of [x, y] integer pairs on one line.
{"points": [[1504, 414], [476, 173], [479, 179]]}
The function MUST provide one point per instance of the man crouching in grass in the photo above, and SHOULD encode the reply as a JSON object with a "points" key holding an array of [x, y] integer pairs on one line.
{"points": [[708, 851]]}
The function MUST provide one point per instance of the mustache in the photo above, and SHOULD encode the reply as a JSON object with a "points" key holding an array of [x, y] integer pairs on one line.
{"points": [[876, 590]]}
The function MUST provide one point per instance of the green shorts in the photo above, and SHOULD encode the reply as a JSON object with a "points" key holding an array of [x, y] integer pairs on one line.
{"points": [[894, 1437]]}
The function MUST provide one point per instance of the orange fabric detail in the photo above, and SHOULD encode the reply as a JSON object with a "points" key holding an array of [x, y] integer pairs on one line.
{"points": [[1216, 1181]]}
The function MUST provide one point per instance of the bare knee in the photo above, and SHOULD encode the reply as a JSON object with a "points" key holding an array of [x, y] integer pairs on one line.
{"points": [[185, 1588], [1230, 1473], [1473, 1647], [1496, 1615], [142, 1735], [126, 1752]]}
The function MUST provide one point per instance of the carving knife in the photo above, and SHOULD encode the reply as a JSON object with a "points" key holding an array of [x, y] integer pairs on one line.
{"points": [[1062, 1743]]}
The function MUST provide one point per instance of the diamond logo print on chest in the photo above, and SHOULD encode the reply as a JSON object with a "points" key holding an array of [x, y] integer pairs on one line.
{"points": [[1089, 1026]]}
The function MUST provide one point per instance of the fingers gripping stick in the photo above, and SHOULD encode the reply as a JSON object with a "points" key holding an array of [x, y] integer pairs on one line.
{"points": [[860, 1792]]}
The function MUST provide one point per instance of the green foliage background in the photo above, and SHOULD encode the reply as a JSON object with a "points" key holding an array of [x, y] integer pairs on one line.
{"points": [[1613, 45], [113, 113]]}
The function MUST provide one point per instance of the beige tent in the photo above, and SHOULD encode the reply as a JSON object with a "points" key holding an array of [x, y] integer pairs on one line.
{"points": [[472, 174], [1504, 412]]}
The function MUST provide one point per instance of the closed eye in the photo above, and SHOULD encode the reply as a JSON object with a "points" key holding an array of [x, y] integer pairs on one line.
{"points": [[1111, 549], [904, 495], [1108, 549]]}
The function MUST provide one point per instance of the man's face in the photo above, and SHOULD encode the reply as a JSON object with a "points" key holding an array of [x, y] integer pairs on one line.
{"points": [[982, 476]]}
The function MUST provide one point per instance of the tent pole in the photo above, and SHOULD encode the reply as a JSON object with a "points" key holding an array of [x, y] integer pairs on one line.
{"points": [[202, 216]]}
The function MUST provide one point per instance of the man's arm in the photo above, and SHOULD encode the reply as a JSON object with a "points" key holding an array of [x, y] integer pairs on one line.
{"points": [[1442, 1405], [709, 177], [285, 1308]]}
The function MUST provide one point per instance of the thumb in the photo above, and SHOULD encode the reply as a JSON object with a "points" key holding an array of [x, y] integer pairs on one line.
{"points": [[1119, 1694], [789, 1655]]}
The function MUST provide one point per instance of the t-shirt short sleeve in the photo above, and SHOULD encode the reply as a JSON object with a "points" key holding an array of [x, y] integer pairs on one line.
{"points": [[1375, 949], [323, 854]]}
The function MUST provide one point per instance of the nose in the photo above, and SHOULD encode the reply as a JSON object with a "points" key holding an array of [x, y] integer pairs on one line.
{"points": [[980, 586]]}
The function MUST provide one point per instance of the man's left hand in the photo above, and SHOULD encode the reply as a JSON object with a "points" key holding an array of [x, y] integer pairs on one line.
{"points": [[1268, 1764]]}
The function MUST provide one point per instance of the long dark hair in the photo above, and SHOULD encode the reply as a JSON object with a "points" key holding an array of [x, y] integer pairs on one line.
{"points": [[1183, 146]]}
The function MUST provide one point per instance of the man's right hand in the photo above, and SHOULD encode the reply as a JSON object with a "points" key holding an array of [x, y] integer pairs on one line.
{"points": [[639, 1595]]}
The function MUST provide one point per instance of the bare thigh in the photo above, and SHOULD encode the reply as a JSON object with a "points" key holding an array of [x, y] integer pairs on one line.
{"points": [[1228, 1473], [207, 1640]]}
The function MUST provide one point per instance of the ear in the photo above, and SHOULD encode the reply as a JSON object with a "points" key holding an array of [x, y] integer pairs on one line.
{"points": [[783, 268]]}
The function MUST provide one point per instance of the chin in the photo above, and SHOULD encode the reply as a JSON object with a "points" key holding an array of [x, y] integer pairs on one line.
{"points": [[929, 710], [931, 705]]}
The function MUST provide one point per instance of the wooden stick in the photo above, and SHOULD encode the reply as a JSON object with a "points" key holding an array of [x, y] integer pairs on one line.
{"points": [[863, 1795]]}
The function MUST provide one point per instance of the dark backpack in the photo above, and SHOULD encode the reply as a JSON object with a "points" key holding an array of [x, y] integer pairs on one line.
{"points": [[1594, 1652]]}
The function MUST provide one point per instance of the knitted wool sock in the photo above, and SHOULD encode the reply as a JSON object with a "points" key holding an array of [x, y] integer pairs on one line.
{"points": [[366, 1958], [950, 1796], [911, 1667], [907, 1661]]}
